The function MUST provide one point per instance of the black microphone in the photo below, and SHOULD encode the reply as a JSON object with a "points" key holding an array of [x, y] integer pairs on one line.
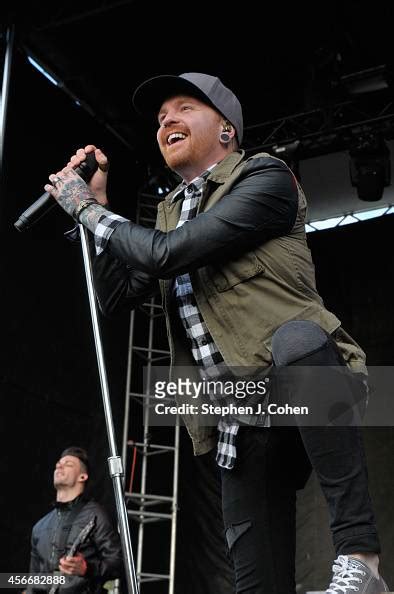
{"points": [[46, 202]]}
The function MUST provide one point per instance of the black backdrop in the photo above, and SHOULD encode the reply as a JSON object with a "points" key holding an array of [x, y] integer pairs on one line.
{"points": [[49, 389]]}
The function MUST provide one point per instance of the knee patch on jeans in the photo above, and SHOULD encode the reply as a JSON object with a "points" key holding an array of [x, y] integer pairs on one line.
{"points": [[235, 531], [297, 339]]}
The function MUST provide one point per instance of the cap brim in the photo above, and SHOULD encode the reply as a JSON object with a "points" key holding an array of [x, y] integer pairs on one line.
{"points": [[151, 94]]}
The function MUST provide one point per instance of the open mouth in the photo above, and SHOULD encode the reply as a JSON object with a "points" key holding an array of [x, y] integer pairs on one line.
{"points": [[175, 137]]}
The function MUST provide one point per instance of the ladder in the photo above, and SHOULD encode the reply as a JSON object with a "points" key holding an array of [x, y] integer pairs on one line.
{"points": [[152, 447]]}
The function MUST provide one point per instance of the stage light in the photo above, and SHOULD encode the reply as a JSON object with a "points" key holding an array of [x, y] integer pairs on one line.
{"points": [[366, 81], [370, 169]]}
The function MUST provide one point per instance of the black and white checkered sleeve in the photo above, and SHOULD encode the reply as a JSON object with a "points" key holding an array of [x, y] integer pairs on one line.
{"points": [[103, 231], [105, 227]]}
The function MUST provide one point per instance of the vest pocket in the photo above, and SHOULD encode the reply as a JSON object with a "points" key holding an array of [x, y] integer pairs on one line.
{"points": [[236, 271]]}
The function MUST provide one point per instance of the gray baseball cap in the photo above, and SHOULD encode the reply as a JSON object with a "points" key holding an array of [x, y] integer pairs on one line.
{"points": [[150, 95]]}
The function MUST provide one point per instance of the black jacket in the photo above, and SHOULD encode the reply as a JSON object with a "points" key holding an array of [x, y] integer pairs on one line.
{"points": [[101, 549]]}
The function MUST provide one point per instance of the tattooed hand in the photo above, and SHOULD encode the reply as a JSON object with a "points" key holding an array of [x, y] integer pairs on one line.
{"points": [[68, 188], [98, 183]]}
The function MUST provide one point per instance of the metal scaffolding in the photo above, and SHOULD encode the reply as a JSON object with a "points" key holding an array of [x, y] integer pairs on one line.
{"points": [[324, 130], [146, 504]]}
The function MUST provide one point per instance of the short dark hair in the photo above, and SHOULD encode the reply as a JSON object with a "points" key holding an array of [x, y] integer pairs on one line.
{"points": [[79, 453]]}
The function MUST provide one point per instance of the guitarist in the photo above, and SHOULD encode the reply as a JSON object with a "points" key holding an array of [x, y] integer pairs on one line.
{"points": [[76, 524]]}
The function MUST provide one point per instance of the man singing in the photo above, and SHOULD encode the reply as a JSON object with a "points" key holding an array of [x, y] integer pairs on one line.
{"points": [[230, 255]]}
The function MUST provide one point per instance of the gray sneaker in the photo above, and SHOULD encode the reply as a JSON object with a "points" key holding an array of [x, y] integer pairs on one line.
{"points": [[352, 575]]}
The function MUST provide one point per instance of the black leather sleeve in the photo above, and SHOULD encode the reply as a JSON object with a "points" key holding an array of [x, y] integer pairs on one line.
{"points": [[260, 206], [118, 285], [106, 561], [34, 566]]}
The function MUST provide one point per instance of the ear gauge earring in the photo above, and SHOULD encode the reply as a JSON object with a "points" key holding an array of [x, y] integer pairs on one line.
{"points": [[225, 136]]}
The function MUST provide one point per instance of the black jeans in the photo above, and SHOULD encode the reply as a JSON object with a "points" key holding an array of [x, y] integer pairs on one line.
{"points": [[259, 494]]}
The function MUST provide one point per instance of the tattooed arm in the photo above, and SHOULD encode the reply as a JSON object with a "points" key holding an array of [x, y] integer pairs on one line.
{"points": [[118, 287], [69, 189]]}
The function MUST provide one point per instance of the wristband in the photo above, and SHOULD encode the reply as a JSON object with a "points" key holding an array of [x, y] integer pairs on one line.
{"points": [[81, 206]]}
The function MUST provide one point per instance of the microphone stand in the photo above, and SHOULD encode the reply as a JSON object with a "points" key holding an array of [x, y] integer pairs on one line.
{"points": [[114, 461]]}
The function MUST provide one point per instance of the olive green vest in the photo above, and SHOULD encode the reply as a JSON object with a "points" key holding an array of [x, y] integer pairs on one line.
{"points": [[245, 300]]}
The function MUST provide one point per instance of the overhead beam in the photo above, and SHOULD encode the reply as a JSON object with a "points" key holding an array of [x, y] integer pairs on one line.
{"points": [[66, 20], [81, 102], [327, 129]]}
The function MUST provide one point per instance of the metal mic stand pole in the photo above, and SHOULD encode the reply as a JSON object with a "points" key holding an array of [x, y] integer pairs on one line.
{"points": [[114, 461]]}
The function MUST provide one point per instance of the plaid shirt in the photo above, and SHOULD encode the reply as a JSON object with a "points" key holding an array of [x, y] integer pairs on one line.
{"points": [[105, 227], [204, 350]]}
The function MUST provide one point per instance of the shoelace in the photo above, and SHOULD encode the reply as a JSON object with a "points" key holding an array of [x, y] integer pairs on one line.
{"points": [[344, 573]]}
